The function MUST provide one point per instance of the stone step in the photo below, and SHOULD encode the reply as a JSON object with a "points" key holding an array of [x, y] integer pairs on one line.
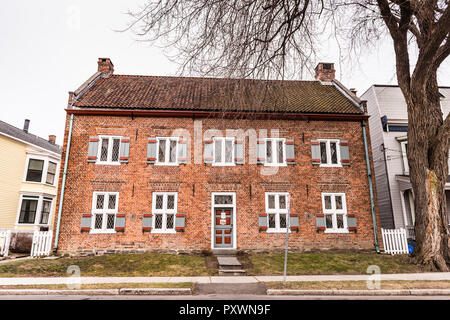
{"points": [[232, 272], [217, 252], [230, 267]]}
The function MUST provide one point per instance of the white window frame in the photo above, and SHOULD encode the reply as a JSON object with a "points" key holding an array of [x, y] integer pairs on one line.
{"points": [[335, 211], [37, 218], [44, 169], [404, 157], [164, 212], [110, 148], [167, 151], [328, 152], [277, 211], [105, 212], [222, 162], [274, 153]]}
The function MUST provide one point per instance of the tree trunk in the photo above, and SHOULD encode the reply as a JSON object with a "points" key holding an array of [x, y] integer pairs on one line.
{"points": [[428, 168]]}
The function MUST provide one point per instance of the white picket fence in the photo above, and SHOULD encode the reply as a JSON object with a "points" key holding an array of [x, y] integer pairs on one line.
{"points": [[5, 239], [394, 241], [42, 243]]}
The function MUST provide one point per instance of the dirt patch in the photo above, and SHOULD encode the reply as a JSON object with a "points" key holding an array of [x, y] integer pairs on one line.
{"points": [[211, 263], [244, 259]]}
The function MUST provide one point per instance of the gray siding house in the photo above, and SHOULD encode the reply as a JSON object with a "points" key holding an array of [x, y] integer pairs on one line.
{"points": [[388, 132]]}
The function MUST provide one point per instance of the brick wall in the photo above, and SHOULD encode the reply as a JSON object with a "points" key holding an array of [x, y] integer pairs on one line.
{"points": [[194, 183]]}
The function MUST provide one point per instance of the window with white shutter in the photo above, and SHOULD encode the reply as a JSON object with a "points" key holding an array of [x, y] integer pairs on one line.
{"points": [[330, 155], [275, 154], [164, 210], [104, 210], [108, 150], [277, 211]]}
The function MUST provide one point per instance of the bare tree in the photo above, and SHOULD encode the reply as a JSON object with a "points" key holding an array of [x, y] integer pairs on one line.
{"points": [[278, 38]]}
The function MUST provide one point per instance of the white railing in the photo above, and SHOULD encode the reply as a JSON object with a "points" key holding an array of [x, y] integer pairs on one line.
{"points": [[5, 239], [42, 243], [394, 241]]}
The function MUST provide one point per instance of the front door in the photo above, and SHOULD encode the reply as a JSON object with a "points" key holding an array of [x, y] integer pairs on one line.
{"points": [[223, 227]]}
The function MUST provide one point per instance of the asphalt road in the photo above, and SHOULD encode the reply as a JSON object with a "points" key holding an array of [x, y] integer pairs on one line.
{"points": [[217, 297]]}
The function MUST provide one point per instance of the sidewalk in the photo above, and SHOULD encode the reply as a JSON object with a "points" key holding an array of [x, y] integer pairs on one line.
{"points": [[224, 279]]}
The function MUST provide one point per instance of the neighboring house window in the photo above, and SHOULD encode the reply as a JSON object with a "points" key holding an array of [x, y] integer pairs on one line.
{"points": [[51, 173], [404, 147], [104, 210], [164, 209], [277, 211], [335, 211], [34, 210], [275, 152], [108, 152], [223, 152], [329, 153], [35, 170], [167, 151], [40, 169]]}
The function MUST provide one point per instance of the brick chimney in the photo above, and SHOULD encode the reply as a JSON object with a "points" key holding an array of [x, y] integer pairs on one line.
{"points": [[26, 125], [105, 66], [325, 72], [52, 139]]}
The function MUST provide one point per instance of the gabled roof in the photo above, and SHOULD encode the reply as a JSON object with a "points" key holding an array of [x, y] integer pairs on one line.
{"points": [[214, 94], [28, 137]]}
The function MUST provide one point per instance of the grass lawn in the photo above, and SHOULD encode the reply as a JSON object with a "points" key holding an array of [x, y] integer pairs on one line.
{"points": [[172, 265], [120, 265], [326, 263], [103, 286], [359, 285]]}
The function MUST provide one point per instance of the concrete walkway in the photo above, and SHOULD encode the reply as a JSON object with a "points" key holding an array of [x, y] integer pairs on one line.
{"points": [[246, 279]]}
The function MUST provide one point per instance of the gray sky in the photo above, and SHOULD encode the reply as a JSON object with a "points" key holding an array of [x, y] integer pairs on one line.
{"points": [[50, 47]]}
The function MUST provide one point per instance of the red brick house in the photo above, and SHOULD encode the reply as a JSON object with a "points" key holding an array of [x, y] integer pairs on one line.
{"points": [[190, 164]]}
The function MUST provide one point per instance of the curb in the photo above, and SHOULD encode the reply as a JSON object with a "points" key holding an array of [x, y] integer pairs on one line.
{"points": [[97, 292], [155, 291], [404, 292], [90, 292]]}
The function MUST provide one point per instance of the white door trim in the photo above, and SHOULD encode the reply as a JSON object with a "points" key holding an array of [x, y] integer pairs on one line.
{"points": [[233, 206]]}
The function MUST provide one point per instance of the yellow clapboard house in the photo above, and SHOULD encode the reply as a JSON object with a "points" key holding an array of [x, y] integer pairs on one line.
{"points": [[29, 167]]}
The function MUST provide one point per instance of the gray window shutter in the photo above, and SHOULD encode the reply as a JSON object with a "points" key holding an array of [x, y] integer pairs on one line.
{"points": [[120, 222], [147, 222], [345, 155], [93, 149], [124, 150], [315, 152], [151, 150], [294, 221], [262, 221], [208, 156], [239, 151], [180, 222], [182, 151], [320, 221], [261, 151], [86, 222], [290, 156], [351, 222]]}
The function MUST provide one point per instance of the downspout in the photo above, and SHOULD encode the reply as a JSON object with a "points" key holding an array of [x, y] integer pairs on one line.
{"points": [[369, 177], [63, 184]]}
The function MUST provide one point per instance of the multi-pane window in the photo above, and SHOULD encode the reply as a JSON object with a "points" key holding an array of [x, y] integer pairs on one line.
{"points": [[275, 151], [167, 151], [40, 169], [34, 210], [164, 209], [51, 173], [335, 211], [277, 211], [108, 151], [329, 153], [223, 151], [104, 210]]}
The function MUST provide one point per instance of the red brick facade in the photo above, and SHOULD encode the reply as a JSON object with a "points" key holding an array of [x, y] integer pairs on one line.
{"points": [[136, 180]]}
